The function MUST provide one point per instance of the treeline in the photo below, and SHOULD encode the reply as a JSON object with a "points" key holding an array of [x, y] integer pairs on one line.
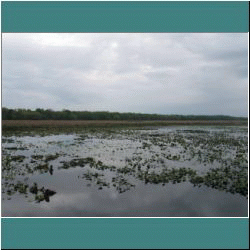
{"points": [[48, 114]]}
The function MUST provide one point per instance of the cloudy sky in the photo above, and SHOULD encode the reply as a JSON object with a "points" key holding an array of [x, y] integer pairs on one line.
{"points": [[163, 73]]}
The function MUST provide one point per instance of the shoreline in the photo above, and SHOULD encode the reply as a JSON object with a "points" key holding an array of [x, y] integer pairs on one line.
{"points": [[82, 123]]}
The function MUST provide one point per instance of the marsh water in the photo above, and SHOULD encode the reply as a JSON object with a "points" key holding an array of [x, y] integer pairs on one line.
{"points": [[187, 171]]}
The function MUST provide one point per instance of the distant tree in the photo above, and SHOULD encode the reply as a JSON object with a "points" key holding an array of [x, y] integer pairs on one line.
{"points": [[49, 114]]}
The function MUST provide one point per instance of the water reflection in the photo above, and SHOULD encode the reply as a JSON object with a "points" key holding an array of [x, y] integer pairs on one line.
{"points": [[162, 172], [172, 201]]}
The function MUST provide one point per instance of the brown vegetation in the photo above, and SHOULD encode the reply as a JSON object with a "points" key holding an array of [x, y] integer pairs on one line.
{"points": [[63, 123]]}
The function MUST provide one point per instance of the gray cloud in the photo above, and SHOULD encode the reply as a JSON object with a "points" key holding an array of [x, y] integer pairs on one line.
{"points": [[185, 73]]}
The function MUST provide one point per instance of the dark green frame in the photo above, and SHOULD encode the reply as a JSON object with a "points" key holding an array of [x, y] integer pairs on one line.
{"points": [[124, 16]]}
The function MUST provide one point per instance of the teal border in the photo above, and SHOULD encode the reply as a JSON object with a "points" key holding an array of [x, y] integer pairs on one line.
{"points": [[125, 16], [192, 233], [128, 233]]}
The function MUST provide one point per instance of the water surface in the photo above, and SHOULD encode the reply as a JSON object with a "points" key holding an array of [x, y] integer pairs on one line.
{"points": [[176, 171]]}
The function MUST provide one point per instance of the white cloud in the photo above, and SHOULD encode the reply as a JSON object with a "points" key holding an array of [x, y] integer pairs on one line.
{"points": [[185, 73]]}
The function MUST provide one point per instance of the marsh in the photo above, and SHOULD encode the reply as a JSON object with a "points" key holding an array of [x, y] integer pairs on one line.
{"points": [[164, 171]]}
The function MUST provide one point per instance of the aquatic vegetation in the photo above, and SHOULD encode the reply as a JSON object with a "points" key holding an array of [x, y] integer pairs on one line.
{"points": [[100, 166], [89, 175], [167, 175], [7, 140], [16, 148], [197, 180], [101, 183], [39, 194], [42, 167], [81, 162], [37, 157], [51, 157], [228, 179], [121, 184], [173, 158], [18, 158], [34, 189], [21, 187], [221, 178], [44, 194], [126, 170], [6, 162], [96, 178], [112, 161]]}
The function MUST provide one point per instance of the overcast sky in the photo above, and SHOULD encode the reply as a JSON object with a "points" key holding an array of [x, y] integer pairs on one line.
{"points": [[163, 73]]}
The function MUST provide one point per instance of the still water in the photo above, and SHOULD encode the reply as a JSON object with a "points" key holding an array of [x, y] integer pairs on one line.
{"points": [[151, 172]]}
